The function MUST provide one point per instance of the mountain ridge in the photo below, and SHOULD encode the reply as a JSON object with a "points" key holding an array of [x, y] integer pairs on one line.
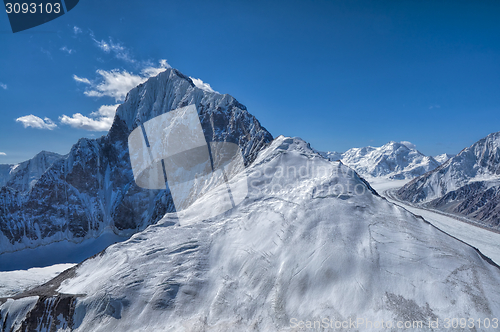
{"points": [[467, 184], [393, 160], [23, 176], [92, 188]]}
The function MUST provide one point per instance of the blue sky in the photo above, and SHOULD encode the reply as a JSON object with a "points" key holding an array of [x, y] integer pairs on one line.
{"points": [[339, 74]]}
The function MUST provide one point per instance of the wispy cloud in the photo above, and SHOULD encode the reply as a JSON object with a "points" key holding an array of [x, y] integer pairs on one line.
{"points": [[77, 30], [67, 50], [434, 106], [116, 84], [120, 51], [150, 70], [81, 79], [103, 45], [36, 122], [3, 154], [98, 121], [3, 86]]}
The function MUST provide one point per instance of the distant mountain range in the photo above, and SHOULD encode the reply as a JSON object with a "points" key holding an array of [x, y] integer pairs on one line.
{"points": [[393, 161], [467, 184]]}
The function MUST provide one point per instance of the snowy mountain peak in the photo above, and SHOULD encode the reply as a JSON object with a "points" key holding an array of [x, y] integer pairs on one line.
{"points": [[396, 145], [444, 157], [487, 154], [92, 189], [396, 160], [23, 176], [168, 91], [479, 162], [292, 144]]}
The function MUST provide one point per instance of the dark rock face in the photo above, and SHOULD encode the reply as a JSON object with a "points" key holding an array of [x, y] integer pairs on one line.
{"points": [[50, 314], [93, 187], [474, 200]]}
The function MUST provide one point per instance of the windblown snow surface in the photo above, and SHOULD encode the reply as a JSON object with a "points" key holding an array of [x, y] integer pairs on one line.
{"points": [[14, 282], [312, 241]]}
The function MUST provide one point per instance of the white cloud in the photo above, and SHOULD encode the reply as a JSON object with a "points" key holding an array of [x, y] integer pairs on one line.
{"points": [[202, 85], [151, 71], [76, 30], [120, 51], [409, 145], [3, 86], [164, 64], [103, 45], [117, 84], [98, 121], [114, 84], [434, 106], [36, 122], [3, 154], [81, 79], [67, 50]]}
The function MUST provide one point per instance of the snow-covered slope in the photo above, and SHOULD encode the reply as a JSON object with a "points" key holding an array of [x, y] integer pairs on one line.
{"points": [[15, 282], [331, 155], [92, 188], [442, 158], [312, 242], [23, 176], [468, 183], [393, 160]]}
